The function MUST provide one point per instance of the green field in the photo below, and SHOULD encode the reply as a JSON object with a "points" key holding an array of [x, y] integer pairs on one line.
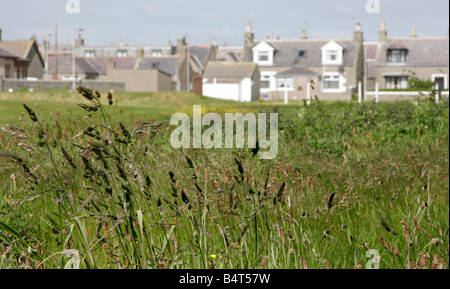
{"points": [[349, 178]]}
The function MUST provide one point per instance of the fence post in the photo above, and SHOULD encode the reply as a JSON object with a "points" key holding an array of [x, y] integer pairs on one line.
{"points": [[359, 92], [376, 93], [437, 96], [308, 93]]}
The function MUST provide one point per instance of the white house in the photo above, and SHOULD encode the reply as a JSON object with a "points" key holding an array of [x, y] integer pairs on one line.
{"points": [[237, 81]]}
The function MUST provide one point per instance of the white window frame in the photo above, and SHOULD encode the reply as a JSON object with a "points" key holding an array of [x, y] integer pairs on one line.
{"points": [[89, 53], [122, 53], [403, 84], [340, 79], [434, 76], [156, 52], [271, 76]]}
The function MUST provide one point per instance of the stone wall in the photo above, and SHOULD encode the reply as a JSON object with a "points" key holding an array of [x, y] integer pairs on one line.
{"points": [[18, 84]]}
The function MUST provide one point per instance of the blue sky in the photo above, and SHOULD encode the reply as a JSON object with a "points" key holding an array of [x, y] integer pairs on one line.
{"points": [[156, 22]]}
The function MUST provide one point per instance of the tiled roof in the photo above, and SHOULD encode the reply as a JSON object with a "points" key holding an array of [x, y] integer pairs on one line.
{"points": [[421, 51], [297, 71], [288, 52], [21, 48], [101, 63], [201, 52], [165, 64], [6, 54], [229, 70], [65, 65]]}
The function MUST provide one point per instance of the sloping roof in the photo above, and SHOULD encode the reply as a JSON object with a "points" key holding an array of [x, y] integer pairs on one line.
{"points": [[371, 50], [65, 65], [21, 48], [421, 51], [229, 70], [101, 63], [201, 52], [297, 71], [6, 54], [165, 64], [288, 51]]}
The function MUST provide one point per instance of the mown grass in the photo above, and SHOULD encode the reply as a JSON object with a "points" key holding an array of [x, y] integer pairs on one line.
{"points": [[348, 178]]}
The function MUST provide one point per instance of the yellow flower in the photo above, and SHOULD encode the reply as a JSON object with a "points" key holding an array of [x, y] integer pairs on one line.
{"points": [[213, 256], [111, 90]]}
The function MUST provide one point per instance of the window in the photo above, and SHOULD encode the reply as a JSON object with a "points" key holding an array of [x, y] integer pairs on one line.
{"points": [[332, 55], [331, 82], [7, 71], [89, 53], [301, 53], [263, 56], [397, 56], [122, 53], [396, 82], [156, 52], [265, 82]]}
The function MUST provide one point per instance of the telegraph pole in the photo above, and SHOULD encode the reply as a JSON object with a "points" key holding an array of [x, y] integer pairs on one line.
{"points": [[56, 51]]}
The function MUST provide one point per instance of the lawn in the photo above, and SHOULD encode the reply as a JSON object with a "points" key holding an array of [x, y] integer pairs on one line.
{"points": [[104, 189]]}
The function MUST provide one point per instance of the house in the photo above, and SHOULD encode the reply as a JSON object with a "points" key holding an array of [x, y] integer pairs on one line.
{"points": [[120, 50], [84, 69], [337, 64], [232, 81], [12, 66], [399, 60], [27, 50], [142, 74]]}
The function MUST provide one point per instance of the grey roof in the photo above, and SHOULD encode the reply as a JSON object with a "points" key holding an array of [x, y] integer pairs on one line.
{"points": [[287, 52], [230, 70], [65, 65], [201, 52], [6, 54], [165, 64], [297, 71], [371, 50], [421, 51], [101, 63]]}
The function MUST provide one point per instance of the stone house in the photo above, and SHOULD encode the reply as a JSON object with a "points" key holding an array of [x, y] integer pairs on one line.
{"points": [[398, 60], [28, 50], [337, 64]]}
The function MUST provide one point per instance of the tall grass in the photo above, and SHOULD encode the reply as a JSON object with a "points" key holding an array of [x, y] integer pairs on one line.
{"points": [[348, 178]]}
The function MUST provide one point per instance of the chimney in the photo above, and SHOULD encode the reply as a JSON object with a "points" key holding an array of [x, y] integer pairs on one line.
{"points": [[139, 57], [382, 35], [249, 36], [0, 35], [304, 36], [79, 42], [110, 66], [358, 38], [414, 33], [181, 47]]}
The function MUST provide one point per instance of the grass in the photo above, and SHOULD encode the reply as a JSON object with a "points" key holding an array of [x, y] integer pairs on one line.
{"points": [[111, 191]]}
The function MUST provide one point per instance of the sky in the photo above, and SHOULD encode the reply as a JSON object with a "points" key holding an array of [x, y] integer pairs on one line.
{"points": [[139, 22]]}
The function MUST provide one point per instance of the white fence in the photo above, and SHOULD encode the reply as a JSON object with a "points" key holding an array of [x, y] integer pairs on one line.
{"points": [[377, 94]]}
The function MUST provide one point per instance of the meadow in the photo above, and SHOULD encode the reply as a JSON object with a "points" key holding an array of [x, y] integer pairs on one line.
{"points": [[98, 185]]}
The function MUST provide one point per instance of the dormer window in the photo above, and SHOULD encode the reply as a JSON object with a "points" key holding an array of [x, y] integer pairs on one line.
{"points": [[301, 53], [122, 53], [332, 54], [89, 53], [397, 55], [263, 56]]}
